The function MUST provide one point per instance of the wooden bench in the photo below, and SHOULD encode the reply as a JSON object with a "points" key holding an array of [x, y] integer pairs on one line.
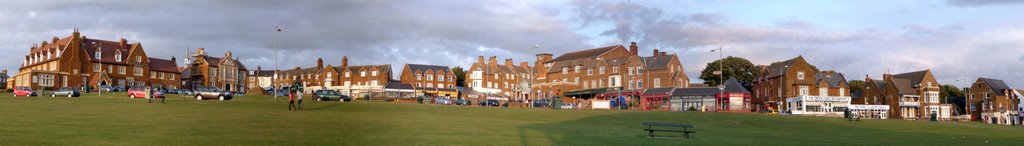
{"points": [[673, 127]]}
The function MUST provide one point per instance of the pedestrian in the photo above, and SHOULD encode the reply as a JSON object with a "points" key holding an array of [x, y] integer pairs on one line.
{"points": [[291, 100], [300, 100]]}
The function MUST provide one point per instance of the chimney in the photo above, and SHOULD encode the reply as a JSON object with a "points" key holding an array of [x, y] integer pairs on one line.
{"points": [[259, 68], [124, 43], [43, 45], [3, 72], [509, 63], [54, 40], [663, 53], [75, 33], [227, 54], [524, 64], [493, 60], [175, 60], [201, 51], [887, 77], [344, 61], [319, 63], [656, 53], [632, 48], [480, 59]]}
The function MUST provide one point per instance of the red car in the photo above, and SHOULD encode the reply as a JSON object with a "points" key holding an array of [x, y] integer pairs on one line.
{"points": [[140, 92], [24, 91]]}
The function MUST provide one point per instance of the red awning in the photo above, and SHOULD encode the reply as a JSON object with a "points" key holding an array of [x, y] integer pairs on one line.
{"points": [[617, 93]]}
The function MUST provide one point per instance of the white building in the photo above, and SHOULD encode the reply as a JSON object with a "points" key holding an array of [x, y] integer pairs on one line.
{"points": [[818, 105], [870, 111]]}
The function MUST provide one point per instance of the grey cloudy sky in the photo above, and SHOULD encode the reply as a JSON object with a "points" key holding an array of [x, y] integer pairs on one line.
{"points": [[957, 39]]}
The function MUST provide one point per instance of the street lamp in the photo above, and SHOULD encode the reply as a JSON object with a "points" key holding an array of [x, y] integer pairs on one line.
{"points": [[721, 73], [273, 81]]}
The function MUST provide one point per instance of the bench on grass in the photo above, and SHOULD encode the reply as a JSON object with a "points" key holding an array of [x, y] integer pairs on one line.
{"points": [[686, 129]]}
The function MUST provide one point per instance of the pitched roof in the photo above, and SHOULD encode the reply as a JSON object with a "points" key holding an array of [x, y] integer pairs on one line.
{"points": [[695, 91], [589, 53], [397, 85], [903, 86], [109, 50], [914, 77], [163, 65], [661, 91], [656, 63], [836, 79], [995, 85], [779, 68], [879, 84], [733, 86], [424, 68]]}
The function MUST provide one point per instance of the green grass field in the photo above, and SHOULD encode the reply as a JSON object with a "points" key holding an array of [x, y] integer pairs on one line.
{"points": [[262, 120]]}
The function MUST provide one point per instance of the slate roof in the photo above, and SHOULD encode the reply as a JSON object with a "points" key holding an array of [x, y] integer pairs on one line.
{"points": [[995, 85], [914, 77], [733, 86], [904, 86], [695, 91], [397, 85], [658, 91], [835, 80], [109, 50], [656, 63], [879, 84], [779, 68], [589, 53], [163, 65], [424, 68]]}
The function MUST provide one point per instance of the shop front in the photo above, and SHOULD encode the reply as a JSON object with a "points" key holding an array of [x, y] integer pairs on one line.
{"points": [[818, 105]]}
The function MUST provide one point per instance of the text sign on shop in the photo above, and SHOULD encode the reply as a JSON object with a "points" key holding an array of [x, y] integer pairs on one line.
{"points": [[826, 99]]}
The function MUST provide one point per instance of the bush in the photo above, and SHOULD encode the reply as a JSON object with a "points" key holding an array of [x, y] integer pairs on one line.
{"points": [[692, 109]]}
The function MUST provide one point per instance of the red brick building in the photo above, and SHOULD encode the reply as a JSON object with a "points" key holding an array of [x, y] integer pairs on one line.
{"points": [[433, 80], [586, 73], [76, 61]]}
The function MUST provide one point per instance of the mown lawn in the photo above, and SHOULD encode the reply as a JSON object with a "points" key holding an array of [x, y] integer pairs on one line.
{"points": [[262, 120]]}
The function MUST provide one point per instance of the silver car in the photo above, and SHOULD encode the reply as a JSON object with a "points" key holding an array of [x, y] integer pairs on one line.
{"points": [[65, 91]]}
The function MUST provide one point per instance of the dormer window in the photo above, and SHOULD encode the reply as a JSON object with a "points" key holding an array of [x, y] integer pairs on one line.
{"points": [[117, 57]]}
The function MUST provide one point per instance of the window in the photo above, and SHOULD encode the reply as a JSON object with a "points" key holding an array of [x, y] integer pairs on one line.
{"points": [[577, 80], [657, 82], [430, 77], [803, 90], [451, 78], [419, 85], [96, 67], [374, 82], [929, 84], [171, 77], [440, 77], [120, 69], [440, 86], [117, 57], [639, 69], [138, 59], [590, 71], [362, 73], [419, 77], [842, 91], [576, 69], [110, 69], [823, 92], [600, 70], [97, 55], [630, 85], [348, 74], [640, 83], [565, 70], [630, 71], [374, 73], [615, 69], [800, 75]]}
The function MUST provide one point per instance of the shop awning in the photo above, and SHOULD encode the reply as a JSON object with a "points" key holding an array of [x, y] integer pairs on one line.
{"points": [[620, 92], [585, 92]]}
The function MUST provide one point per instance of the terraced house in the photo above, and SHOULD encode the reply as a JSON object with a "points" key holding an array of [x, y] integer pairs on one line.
{"points": [[225, 73], [306, 77], [78, 61], [993, 102], [490, 80], [914, 95], [588, 73], [358, 81], [433, 80]]}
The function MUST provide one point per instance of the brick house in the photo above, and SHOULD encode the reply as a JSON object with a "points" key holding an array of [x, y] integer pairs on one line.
{"points": [[357, 81], [872, 93], [77, 61], [309, 78], [781, 80], [993, 102], [259, 78], [498, 81], [430, 79], [914, 95], [225, 72], [587, 73], [3, 80]]}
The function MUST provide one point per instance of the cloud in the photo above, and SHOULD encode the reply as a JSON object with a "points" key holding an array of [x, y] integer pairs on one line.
{"points": [[978, 3], [428, 32]]}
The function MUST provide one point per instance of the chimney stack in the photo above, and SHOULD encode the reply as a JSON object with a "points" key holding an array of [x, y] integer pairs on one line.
{"points": [[54, 40], [524, 64], [887, 76], [43, 45], [480, 59], [633, 49], [509, 63], [259, 68], [175, 60], [656, 53], [75, 34], [493, 60], [4, 71], [344, 61], [319, 63], [124, 43], [200, 51]]}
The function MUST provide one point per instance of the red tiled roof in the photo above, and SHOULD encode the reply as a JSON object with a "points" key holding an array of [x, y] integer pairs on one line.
{"points": [[589, 53], [108, 52]]}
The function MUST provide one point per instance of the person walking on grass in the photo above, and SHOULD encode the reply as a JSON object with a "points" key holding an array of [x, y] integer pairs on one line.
{"points": [[300, 100], [291, 100]]}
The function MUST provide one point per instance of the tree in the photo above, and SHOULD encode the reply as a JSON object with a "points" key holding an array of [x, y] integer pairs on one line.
{"points": [[856, 85], [460, 76], [948, 91], [737, 67]]}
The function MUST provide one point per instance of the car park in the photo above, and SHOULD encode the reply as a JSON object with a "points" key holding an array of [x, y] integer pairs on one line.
{"points": [[443, 100], [24, 91], [461, 101], [211, 92], [65, 91], [542, 103]]}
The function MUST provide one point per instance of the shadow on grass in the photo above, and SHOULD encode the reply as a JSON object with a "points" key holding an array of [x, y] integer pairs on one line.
{"points": [[612, 129]]}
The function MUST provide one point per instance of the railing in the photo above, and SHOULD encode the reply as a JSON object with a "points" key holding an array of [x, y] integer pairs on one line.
{"points": [[909, 103]]}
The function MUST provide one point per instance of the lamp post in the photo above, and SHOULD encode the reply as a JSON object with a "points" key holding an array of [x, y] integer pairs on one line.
{"points": [[721, 74], [967, 97], [273, 81]]}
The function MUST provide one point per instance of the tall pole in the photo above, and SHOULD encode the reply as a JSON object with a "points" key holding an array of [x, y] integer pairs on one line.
{"points": [[721, 74], [99, 59], [274, 80]]}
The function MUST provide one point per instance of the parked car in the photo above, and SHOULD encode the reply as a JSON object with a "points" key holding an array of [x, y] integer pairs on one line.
{"points": [[106, 88], [490, 102], [140, 92], [330, 95], [65, 91], [443, 100], [542, 103], [461, 101], [185, 91], [24, 91], [211, 92], [170, 91]]}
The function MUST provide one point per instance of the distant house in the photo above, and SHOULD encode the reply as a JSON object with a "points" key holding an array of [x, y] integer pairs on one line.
{"points": [[914, 95], [432, 80], [693, 99], [993, 102], [735, 98]]}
